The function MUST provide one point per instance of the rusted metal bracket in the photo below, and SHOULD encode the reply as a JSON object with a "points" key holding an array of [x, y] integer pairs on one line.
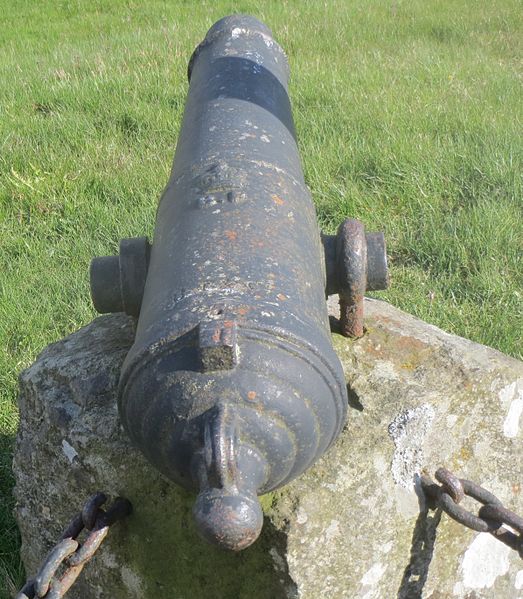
{"points": [[356, 262]]}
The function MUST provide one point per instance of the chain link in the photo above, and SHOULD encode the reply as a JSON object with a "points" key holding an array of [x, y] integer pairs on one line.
{"points": [[492, 516], [70, 553]]}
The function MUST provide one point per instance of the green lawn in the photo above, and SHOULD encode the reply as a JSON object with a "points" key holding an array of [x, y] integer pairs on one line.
{"points": [[409, 117]]}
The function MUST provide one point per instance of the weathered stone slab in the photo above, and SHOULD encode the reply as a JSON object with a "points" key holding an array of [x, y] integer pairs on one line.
{"points": [[353, 526]]}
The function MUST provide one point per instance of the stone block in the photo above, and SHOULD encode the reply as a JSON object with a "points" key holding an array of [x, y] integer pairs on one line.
{"points": [[355, 525]]}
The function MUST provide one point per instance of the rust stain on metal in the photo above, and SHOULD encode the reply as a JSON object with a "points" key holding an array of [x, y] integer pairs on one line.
{"points": [[216, 336], [351, 317]]}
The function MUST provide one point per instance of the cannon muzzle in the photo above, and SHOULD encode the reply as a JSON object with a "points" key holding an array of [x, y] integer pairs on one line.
{"points": [[232, 387]]}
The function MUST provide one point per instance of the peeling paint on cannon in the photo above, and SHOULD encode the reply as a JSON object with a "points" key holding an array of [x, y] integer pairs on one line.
{"points": [[232, 387]]}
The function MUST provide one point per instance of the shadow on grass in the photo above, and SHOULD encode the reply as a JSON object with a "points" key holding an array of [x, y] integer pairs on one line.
{"points": [[11, 570]]}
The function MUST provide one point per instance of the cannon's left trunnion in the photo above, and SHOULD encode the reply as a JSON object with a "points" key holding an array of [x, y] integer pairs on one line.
{"points": [[232, 387]]}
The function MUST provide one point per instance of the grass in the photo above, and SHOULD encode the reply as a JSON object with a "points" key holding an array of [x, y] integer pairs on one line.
{"points": [[409, 117]]}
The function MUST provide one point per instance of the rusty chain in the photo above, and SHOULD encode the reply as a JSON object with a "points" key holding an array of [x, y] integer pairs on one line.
{"points": [[492, 517], [70, 553]]}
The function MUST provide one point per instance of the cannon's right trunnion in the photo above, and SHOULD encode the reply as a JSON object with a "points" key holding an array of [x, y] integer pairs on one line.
{"points": [[232, 387]]}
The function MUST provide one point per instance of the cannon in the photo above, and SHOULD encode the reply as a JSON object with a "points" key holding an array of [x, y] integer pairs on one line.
{"points": [[232, 387]]}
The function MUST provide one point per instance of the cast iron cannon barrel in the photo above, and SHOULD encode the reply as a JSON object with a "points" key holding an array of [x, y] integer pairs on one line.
{"points": [[232, 387]]}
